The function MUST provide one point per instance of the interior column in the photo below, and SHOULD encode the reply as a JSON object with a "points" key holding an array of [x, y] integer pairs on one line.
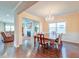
{"points": [[18, 31]]}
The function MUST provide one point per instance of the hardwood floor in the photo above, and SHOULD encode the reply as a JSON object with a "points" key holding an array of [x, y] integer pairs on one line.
{"points": [[69, 50]]}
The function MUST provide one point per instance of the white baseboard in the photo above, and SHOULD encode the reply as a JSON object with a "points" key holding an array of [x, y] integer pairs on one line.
{"points": [[71, 37]]}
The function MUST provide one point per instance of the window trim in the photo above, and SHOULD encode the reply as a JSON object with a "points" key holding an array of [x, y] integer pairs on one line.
{"points": [[58, 27]]}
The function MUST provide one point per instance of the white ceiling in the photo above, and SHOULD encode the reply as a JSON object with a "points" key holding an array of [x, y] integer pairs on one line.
{"points": [[6, 11], [43, 8], [9, 8]]}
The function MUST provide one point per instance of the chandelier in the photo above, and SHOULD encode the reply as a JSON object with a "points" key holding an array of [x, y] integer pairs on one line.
{"points": [[49, 17]]}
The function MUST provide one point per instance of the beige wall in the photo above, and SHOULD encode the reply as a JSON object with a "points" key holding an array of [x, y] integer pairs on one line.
{"points": [[72, 26], [72, 21], [44, 26]]}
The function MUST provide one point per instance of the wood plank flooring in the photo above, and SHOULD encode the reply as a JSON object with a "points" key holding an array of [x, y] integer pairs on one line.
{"points": [[69, 50]]}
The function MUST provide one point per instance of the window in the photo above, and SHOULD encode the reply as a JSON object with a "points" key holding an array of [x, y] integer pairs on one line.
{"points": [[52, 27], [61, 27], [57, 27], [12, 28], [37, 28], [9, 27]]}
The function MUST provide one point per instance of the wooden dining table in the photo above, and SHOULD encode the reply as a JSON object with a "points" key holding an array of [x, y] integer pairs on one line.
{"points": [[47, 37], [51, 41]]}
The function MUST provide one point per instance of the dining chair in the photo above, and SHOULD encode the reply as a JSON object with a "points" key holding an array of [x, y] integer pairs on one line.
{"points": [[59, 42], [42, 42], [52, 43]]}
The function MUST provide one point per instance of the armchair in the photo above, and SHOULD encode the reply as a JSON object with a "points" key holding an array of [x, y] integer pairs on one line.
{"points": [[7, 38]]}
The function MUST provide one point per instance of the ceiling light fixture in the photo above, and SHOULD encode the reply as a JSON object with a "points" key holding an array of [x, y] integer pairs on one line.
{"points": [[49, 17]]}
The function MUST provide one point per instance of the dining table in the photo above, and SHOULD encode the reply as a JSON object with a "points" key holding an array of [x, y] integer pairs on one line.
{"points": [[47, 37]]}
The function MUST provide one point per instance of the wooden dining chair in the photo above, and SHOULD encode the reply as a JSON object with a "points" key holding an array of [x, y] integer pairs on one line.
{"points": [[42, 42], [52, 43], [59, 42]]}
